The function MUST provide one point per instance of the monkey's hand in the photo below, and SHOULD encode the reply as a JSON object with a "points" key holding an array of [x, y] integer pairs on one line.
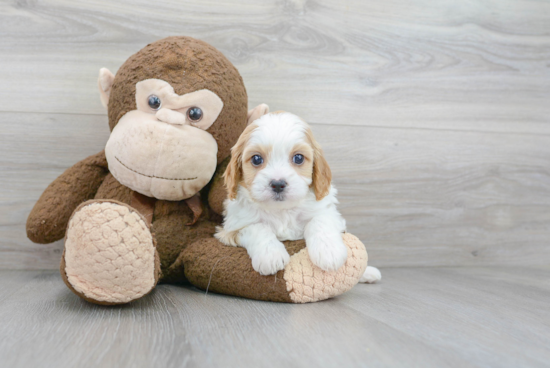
{"points": [[49, 217]]}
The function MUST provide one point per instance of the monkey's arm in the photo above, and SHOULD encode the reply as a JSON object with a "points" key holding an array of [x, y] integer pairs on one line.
{"points": [[218, 193], [49, 217]]}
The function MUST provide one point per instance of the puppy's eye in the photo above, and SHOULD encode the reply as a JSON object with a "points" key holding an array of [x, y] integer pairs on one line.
{"points": [[154, 102], [257, 160], [298, 159], [194, 114]]}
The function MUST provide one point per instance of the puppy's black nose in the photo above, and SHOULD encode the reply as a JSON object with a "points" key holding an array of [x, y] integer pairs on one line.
{"points": [[278, 185]]}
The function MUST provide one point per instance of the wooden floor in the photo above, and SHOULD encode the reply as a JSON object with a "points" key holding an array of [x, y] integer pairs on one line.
{"points": [[417, 317]]}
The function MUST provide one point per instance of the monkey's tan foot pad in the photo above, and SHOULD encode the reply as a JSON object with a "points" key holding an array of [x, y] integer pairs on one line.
{"points": [[110, 255], [212, 266]]}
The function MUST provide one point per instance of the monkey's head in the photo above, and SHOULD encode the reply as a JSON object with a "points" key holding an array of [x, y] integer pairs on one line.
{"points": [[175, 109]]}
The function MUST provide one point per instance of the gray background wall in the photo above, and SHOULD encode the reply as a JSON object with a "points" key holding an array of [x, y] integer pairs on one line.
{"points": [[434, 115]]}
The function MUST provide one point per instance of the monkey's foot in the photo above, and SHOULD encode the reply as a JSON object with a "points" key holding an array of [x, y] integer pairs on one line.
{"points": [[110, 255], [308, 283], [210, 265]]}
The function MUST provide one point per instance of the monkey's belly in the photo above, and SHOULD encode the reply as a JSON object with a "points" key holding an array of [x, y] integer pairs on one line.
{"points": [[170, 221]]}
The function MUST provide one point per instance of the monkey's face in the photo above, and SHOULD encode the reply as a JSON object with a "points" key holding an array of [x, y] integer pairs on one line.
{"points": [[162, 149], [175, 108]]}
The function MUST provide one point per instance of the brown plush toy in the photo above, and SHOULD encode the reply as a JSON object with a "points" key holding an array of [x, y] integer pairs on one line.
{"points": [[144, 210]]}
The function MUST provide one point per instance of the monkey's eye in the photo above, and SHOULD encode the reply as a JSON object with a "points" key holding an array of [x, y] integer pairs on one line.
{"points": [[298, 159], [154, 102], [194, 114], [257, 160]]}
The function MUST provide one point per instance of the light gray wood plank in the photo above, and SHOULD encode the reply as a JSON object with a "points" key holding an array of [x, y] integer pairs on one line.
{"points": [[479, 313], [34, 150], [414, 196], [430, 317], [181, 327], [13, 281], [445, 65], [439, 190]]}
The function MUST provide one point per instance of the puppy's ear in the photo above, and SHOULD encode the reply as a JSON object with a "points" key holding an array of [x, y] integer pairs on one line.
{"points": [[234, 172], [257, 113], [322, 176]]}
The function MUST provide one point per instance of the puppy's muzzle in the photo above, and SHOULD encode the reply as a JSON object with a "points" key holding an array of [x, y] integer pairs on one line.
{"points": [[278, 185]]}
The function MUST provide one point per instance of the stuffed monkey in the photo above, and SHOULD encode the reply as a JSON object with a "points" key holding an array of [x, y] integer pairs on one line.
{"points": [[145, 209]]}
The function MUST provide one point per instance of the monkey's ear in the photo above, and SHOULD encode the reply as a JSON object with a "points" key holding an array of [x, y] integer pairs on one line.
{"points": [[105, 82], [257, 112]]}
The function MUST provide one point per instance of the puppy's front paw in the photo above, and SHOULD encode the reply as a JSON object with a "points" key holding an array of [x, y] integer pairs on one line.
{"points": [[270, 258], [327, 251]]}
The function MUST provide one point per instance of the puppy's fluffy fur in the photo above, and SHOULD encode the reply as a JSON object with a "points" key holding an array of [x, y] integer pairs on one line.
{"points": [[280, 188]]}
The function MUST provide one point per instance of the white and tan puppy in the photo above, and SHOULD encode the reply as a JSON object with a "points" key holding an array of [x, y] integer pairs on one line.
{"points": [[280, 188]]}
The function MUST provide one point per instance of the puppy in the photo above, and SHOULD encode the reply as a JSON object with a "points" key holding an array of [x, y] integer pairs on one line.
{"points": [[279, 188]]}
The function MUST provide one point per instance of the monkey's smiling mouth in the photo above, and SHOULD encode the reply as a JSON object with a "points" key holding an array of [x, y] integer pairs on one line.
{"points": [[151, 176]]}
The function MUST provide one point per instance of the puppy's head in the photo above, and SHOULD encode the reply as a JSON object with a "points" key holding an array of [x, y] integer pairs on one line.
{"points": [[278, 160]]}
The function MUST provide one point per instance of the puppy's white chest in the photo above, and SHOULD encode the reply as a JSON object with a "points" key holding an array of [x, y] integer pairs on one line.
{"points": [[286, 224]]}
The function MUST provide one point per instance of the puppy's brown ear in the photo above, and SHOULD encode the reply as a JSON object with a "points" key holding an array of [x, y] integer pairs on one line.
{"points": [[257, 113], [322, 176], [234, 172]]}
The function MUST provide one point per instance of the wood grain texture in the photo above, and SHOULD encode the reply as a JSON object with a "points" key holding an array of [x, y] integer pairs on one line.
{"points": [[423, 317], [481, 65], [433, 116], [414, 196]]}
